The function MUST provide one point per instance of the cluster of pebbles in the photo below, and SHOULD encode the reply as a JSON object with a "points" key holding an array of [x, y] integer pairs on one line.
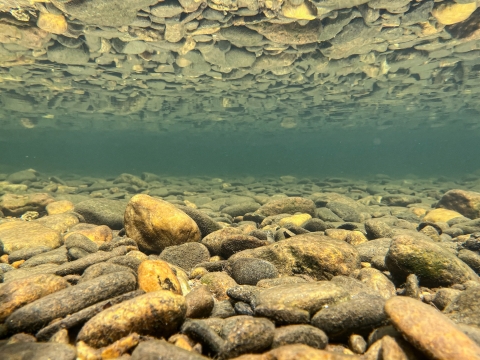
{"points": [[158, 267], [200, 62]]}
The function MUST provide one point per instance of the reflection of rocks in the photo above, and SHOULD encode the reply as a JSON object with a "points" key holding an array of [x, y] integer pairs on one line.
{"points": [[132, 58]]}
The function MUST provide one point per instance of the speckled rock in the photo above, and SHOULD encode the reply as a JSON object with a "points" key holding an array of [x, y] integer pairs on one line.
{"points": [[155, 224], [199, 302], [186, 255], [296, 303], [289, 205], [430, 331], [376, 280], [214, 240], [16, 205], [465, 202], [218, 283], [154, 275], [299, 334], [38, 351], [153, 348], [18, 235], [247, 271], [312, 254], [157, 313], [102, 212], [434, 265], [465, 308]]}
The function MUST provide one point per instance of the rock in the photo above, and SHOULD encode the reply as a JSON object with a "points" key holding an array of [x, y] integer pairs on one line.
{"points": [[21, 176], [38, 351], [162, 350], [186, 255], [69, 56], [129, 178], [113, 13], [357, 343], [289, 205], [101, 235], [431, 263], [218, 283], [52, 23], [468, 227], [80, 241], [241, 36], [242, 208], [452, 13], [345, 211], [158, 313], [199, 302], [223, 309], [236, 243], [430, 331], [27, 253], [57, 256], [377, 229], [246, 334], [59, 222], [103, 268], [465, 307], [311, 254], [299, 334], [238, 58], [300, 351], [39, 313], [167, 9], [296, 303], [131, 48], [16, 294], [204, 222], [247, 271], [441, 215], [102, 212], [155, 275], [17, 235], [327, 215], [314, 225], [444, 297], [291, 34], [16, 205], [155, 224], [376, 280], [361, 314], [471, 258], [373, 248], [16, 274], [214, 240], [297, 220], [465, 202], [400, 200]]}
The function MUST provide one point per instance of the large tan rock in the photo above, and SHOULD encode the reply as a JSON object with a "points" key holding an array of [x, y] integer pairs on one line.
{"points": [[465, 202], [441, 215], [155, 224], [429, 330], [59, 222], [15, 205], [312, 254], [16, 235], [155, 275], [59, 207], [450, 13]]}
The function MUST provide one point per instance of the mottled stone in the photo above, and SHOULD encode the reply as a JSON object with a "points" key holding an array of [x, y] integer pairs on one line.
{"points": [[430, 331], [38, 351], [155, 224], [16, 205], [186, 256], [246, 271], [299, 334], [287, 206], [465, 202], [152, 349], [199, 302], [18, 235], [218, 283], [155, 275], [465, 307], [157, 313], [376, 280], [434, 265]]}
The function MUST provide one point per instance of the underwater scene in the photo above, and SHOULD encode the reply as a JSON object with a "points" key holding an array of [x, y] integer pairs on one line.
{"points": [[240, 179]]}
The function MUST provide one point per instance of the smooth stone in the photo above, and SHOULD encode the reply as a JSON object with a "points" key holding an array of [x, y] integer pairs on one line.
{"points": [[247, 271], [64, 55], [158, 313], [150, 350], [218, 283], [373, 248], [155, 275], [102, 212], [223, 309], [299, 334], [82, 242], [429, 330], [361, 314], [377, 229], [376, 280], [204, 222], [57, 256], [59, 207], [156, 224], [431, 263], [199, 302], [214, 240], [236, 243], [27, 253], [465, 307], [18, 293], [103, 268], [186, 256], [465, 202], [17, 235], [301, 352], [38, 351], [441, 215], [32, 317], [21, 176], [315, 255], [471, 258], [241, 209], [59, 222], [290, 205], [296, 303]]}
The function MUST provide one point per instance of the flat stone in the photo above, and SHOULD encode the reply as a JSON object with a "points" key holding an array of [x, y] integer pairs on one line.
{"points": [[156, 224], [299, 334], [186, 256], [59, 222], [204, 222], [311, 254], [64, 55], [158, 313], [296, 303], [16, 294], [34, 316], [248, 271], [102, 212], [17, 235], [16, 205], [21, 176], [291, 34], [465, 307], [218, 283], [155, 275], [38, 351], [152, 348], [289, 205], [200, 302], [434, 265], [27, 253], [429, 330]]}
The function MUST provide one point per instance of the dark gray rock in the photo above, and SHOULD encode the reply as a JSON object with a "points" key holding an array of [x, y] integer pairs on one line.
{"points": [[81, 241], [242, 208], [102, 212], [327, 215], [130, 262], [300, 334], [204, 222], [64, 55], [242, 308], [241, 36], [465, 308], [57, 256], [344, 211], [100, 269], [222, 309], [471, 258], [21, 176], [373, 248], [27, 253], [400, 200], [377, 229], [314, 225], [186, 256], [38, 351], [200, 302], [236, 243], [249, 271]]}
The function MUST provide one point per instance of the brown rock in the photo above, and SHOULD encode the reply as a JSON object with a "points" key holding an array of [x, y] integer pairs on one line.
{"points": [[38, 351], [59, 207], [199, 302], [312, 254], [155, 275], [218, 283], [291, 34], [59, 222], [289, 205], [16, 294], [16, 235], [120, 347], [465, 202], [52, 23], [158, 313], [375, 279], [15, 205], [442, 215], [155, 224], [98, 234], [214, 240], [451, 12], [429, 330], [304, 352]]}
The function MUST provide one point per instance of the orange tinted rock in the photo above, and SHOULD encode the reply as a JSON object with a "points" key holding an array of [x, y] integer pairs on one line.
{"points": [[18, 235], [15, 205], [52, 23], [59, 222], [442, 215], [98, 234], [155, 224], [429, 330], [59, 207], [465, 202], [451, 12], [154, 275]]}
